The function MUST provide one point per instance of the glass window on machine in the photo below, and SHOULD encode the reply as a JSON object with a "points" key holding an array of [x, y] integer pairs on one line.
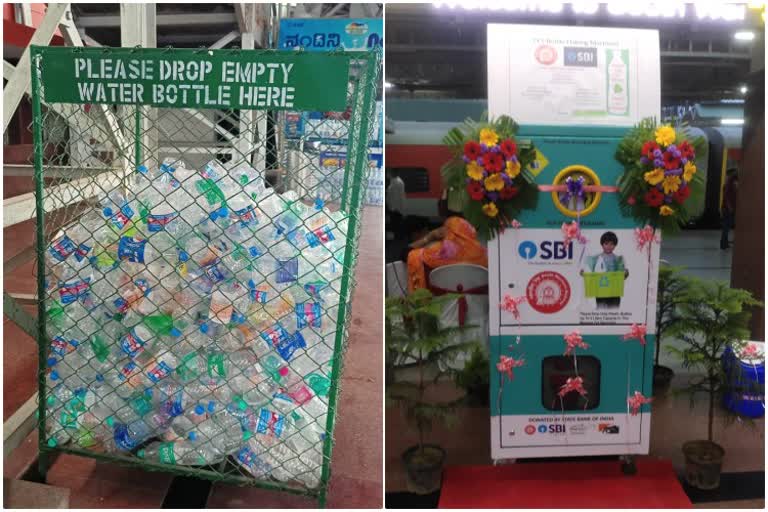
{"points": [[555, 372]]}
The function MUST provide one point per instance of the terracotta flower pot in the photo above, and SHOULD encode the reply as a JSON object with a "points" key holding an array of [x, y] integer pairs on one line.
{"points": [[703, 462], [424, 468]]}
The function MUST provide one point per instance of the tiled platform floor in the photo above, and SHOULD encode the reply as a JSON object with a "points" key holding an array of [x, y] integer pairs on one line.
{"points": [[356, 468]]}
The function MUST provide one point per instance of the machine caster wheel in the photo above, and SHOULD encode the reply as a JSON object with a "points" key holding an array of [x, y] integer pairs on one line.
{"points": [[628, 466]]}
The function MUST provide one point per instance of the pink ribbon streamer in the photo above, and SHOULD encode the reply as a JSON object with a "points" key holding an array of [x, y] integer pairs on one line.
{"points": [[510, 305], [573, 384], [637, 332], [572, 341], [515, 224], [645, 236], [636, 401], [585, 188], [506, 364], [572, 231]]}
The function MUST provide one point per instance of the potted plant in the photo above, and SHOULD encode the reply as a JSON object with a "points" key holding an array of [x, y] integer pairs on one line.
{"points": [[672, 284], [712, 317], [475, 378], [414, 334]]}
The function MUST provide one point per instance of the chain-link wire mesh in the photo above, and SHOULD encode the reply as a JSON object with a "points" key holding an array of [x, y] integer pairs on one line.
{"points": [[195, 279]]}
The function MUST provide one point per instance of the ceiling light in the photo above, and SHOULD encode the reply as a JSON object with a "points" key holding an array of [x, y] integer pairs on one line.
{"points": [[388, 85], [744, 35], [743, 89], [737, 101], [731, 121]]}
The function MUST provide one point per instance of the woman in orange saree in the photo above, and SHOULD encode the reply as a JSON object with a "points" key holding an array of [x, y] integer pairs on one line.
{"points": [[454, 242]]}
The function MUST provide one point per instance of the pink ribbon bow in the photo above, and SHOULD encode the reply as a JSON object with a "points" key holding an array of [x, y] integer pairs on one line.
{"points": [[573, 340], [506, 364], [750, 352], [636, 331], [515, 224], [510, 305], [637, 400], [573, 384], [572, 231], [645, 236]]}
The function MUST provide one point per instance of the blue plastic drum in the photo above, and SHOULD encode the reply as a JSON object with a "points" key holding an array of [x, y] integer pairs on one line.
{"points": [[747, 382]]}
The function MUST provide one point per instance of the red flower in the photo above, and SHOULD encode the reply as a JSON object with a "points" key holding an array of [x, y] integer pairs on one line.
{"points": [[631, 200], [670, 162], [508, 192], [472, 150], [493, 162], [648, 149], [475, 190], [686, 150], [681, 195], [508, 148], [654, 198]]}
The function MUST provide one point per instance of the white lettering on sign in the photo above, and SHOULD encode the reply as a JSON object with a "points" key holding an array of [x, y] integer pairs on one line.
{"points": [[182, 82]]}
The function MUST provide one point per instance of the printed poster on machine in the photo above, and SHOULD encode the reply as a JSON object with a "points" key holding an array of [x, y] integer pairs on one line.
{"points": [[602, 282]]}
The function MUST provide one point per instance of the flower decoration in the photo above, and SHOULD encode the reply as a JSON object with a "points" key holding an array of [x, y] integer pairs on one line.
{"points": [[645, 236], [516, 224], [574, 340], [659, 176], [510, 305], [572, 231], [636, 401], [506, 364], [637, 332], [489, 171]]}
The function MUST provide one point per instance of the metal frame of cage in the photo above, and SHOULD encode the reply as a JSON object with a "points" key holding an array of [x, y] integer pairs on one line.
{"points": [[351, 198]]}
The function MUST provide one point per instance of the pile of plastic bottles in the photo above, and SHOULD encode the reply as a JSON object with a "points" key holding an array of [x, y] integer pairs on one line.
{"points": [[192, 318]]}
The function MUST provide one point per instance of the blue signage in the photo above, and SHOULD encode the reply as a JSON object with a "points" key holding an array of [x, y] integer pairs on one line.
{"points": [[328, 34]]}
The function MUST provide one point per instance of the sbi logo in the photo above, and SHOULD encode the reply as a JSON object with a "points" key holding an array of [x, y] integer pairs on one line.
{"points": [[547, 250], [551, 428], [542, 428]]}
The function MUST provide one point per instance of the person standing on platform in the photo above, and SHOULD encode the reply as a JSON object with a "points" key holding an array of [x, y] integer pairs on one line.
{"points": [[730, 192], [395, 202]]}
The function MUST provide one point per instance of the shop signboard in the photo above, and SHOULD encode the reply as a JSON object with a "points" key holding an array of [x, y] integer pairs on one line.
{"points": [[326, 34]]}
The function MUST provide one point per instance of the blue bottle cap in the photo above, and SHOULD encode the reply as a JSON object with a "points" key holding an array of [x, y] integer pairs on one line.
{"points": [[99, 378], [52, 361], [175, 332], [204, 328], [107, 211], [142, 169], [199, 410], [183, 256], [319, 203], [254, 252], [213, 215], [211, 406], [193, 436], [74, 342], [223, 211], [149, 392], [54, 375]]}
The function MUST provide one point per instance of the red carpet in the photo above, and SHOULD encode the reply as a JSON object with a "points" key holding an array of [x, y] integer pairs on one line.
{"points": [[598, 484]]}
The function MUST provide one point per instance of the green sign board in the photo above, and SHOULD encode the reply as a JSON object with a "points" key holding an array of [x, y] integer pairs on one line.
{"points": [[220, 79]]}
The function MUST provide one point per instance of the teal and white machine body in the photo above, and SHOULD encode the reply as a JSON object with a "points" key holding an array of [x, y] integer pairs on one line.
{"points": [[569, 287], [527, 417]]}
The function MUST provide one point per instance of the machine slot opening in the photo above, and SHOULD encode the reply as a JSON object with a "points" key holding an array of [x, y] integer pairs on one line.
{"points": [[555, 371]]}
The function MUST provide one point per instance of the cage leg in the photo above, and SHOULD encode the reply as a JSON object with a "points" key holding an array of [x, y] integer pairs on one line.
{"points": [[628, 466], [322, 498], [44, 461]]}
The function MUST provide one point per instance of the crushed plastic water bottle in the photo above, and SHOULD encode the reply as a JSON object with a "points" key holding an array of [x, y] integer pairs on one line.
{"points": [[191, 318]]}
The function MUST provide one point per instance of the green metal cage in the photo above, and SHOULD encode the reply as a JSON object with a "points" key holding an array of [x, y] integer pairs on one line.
{"points": [[97, 118]]}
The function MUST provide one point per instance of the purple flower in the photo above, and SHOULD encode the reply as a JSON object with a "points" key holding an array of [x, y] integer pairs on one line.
{"points": [[506, 178], [514, 158], [676, 153], [684, 161], [672, 148], [466, 159], [480, 160], [483, 147], [495, 149], [658, 162], [667, 199], [659, 187], [643, 160], [657, 153], [493, 196], [673, 172]]}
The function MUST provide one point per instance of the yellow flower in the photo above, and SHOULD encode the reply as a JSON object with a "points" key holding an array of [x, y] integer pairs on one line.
{"points": [[513, 169], [665, 135], [488, 137], [671, 184], [655, 176], [474, 171], [666, 210], [490, 209], [494, 182], [689, 170]]}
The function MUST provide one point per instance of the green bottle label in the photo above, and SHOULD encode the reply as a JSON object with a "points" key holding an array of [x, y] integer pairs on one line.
{"points": [[320, 385], [141, 405], [165, 452], [187, 368], [68, 419], [99, 348], [216, 365]]}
